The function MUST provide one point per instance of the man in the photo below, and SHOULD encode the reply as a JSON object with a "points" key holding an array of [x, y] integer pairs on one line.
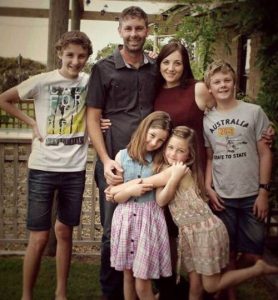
{"points": [[119, 89]]}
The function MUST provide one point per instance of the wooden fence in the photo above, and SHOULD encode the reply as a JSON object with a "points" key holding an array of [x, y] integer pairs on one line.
{"points": [[14, 155], [8, 121]]}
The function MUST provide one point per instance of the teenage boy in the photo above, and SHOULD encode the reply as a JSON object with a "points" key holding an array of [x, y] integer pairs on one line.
{"points": [[239, 163], [121, 88], [58, 157]]}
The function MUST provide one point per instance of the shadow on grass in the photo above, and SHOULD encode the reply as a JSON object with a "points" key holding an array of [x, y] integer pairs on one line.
{"points": [[83, 281]]}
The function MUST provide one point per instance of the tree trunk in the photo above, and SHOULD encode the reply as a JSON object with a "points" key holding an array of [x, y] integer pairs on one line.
{"points": [[58, 24]]}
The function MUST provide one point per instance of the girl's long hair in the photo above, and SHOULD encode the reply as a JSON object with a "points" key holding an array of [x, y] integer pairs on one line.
{"points": [[137, 145], [193, 161]]}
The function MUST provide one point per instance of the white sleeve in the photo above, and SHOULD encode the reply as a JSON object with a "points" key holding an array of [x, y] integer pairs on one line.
{"points": [[29, 89]]}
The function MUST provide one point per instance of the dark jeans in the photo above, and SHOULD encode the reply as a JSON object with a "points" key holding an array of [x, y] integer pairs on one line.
{"points": [[41, 188], [111, 280]]}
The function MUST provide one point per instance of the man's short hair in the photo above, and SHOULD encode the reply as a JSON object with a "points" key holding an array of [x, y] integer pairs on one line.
{"points": [[133, 12]]}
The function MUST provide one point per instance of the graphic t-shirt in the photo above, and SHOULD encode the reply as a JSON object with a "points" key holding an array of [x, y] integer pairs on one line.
{"points": [[233, 137], [60, 114]]}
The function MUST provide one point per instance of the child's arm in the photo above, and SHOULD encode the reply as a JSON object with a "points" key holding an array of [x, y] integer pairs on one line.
{"points": [[216, 202], [8, 99], [131, 190], [260, 208], [166, 194], [157, 180], [122, 192]]}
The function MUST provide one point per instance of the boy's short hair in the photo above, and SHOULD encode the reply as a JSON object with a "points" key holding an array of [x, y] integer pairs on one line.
{"points": [[133, 12], [218, 66], [74, 37]]}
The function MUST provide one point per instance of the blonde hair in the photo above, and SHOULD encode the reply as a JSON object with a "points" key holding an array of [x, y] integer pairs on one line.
{"points": [[136, 147], [193, 161], [218, 66]]}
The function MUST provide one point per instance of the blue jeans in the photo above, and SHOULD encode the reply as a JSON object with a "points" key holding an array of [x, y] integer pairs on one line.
{"points": [[246, 232], [111, 280], [41, 188]]}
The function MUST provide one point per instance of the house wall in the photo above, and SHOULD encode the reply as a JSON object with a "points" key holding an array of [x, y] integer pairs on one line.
{"points": [[232, 55]]}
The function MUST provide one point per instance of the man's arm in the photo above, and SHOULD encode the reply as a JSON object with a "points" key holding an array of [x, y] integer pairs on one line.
{"points": [[260, 208], [111, 167], [8, 99]]}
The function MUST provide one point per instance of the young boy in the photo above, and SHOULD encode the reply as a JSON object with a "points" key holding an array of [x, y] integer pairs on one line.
{"points": [[238, 165], [58, 157]]}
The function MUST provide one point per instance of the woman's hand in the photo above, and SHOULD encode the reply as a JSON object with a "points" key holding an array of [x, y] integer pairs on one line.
{"points": [[152, 54]]}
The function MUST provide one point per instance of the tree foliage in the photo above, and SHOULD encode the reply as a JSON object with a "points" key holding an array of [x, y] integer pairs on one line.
{"points": [[13, 71], [107, 50], [210, 19]]}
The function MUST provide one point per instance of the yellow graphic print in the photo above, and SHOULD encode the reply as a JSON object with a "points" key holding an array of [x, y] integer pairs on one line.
{"points": [[66, 111], [66, 116], [225, 131]]}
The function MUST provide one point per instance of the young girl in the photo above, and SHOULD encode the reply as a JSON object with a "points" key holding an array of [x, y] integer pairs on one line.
{"points": [[139, 238], [203, 238]]}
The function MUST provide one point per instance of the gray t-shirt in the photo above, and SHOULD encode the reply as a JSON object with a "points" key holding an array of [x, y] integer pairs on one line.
{"points": [[124, 94], [233, 137]]}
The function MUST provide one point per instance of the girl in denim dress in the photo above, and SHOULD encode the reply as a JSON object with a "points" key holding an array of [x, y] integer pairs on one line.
{"points": [[139, 237]]}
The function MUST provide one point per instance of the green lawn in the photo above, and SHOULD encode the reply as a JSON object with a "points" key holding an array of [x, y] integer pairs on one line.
{"points": [[83, 282]]}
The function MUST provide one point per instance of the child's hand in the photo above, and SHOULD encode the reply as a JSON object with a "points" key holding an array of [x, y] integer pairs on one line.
{"points": [[260, 208], [139, 189], [178, 170], [36, 133], [108, 195]]}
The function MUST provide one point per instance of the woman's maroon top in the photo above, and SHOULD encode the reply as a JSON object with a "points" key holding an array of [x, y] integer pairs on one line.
{"points": [[180, 104]]}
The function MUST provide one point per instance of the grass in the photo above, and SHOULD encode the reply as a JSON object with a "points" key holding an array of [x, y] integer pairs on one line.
{"points": [[84, 281]]}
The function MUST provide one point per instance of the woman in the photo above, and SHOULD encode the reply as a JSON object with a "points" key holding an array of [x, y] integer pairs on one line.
{"points": [[180, 94], [185, 100]]}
